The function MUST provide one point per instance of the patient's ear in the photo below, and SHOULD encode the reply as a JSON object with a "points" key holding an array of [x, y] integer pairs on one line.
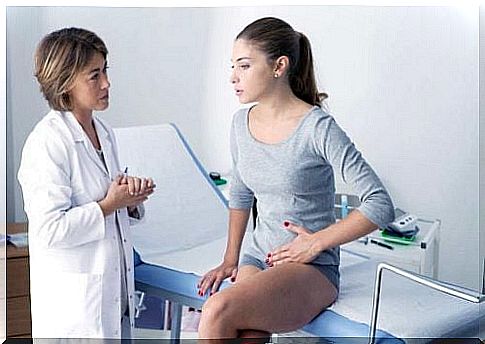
{"points": [[281, 66]]}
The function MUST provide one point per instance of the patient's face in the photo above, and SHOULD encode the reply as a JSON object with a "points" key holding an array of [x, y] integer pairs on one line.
{"points": [[252, 75]]}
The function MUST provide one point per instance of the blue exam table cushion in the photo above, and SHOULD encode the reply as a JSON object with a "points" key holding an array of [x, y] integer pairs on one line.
{"points": [[327, 325]]}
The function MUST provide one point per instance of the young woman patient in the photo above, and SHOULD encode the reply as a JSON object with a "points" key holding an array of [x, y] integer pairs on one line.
{"points": [[285, 151]]}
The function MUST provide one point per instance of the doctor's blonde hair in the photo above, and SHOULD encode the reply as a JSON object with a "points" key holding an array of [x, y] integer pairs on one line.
{"points": [[59, 58]]}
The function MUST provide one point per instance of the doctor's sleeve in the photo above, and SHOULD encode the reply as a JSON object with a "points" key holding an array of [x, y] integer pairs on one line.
{"points": [[44, 176], [240, 196], [336, 147]]}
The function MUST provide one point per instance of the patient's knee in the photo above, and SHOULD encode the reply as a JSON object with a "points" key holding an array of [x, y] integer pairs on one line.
{"points": [[216, 320], [216, 309]]}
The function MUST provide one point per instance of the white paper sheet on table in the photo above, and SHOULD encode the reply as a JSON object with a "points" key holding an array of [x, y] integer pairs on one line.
{"points": [[186, 216], [407, 309]]}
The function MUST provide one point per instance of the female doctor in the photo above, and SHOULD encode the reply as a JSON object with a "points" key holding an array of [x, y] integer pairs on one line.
{"points": [[76, 198]]}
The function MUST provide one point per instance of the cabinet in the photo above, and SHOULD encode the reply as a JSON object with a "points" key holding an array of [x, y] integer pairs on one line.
{"points": [[18, 287], [420, 256]]}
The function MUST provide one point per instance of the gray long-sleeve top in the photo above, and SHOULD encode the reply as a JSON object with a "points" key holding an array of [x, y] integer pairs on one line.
{"points": [[294, 180]]}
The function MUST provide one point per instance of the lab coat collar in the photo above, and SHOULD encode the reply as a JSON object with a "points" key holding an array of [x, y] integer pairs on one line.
{"points": [[106, 146], [79, 135], [77, 131]]}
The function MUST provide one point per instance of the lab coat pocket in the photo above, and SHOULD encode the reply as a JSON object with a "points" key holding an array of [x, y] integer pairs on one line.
{"points": [[77, 304]]}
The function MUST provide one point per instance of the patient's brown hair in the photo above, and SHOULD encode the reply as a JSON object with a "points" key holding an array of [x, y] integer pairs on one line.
{"points": [[276, 38]]}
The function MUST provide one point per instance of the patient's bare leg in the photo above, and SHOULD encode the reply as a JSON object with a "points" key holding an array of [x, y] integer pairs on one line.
{"points": [[245, 272], [280, 299]]}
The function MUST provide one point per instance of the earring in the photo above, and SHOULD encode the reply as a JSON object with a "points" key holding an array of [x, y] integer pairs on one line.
{"points": [[276, 75]]}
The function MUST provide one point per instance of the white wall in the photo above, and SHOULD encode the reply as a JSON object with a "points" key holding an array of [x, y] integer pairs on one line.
{"points": [[481, 325], [482, 154], [403, 82]]}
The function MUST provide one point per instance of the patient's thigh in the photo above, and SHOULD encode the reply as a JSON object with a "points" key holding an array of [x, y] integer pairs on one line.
{"points": [[279, 299], [246, 271]]}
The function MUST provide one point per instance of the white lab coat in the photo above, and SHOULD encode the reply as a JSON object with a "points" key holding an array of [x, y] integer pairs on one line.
{"points": [[74, 253]]}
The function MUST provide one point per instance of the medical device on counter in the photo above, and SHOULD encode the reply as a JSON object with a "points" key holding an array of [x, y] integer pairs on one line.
{"points": [[404, 224], [216, 178], [402, 230]]}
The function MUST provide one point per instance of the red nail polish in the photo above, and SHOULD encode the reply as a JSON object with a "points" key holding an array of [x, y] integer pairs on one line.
{"points": [[286, 223], [233, 279], [269, 254]]}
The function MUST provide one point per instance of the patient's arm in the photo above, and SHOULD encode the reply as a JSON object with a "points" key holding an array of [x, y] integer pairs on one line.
{"points": [[238, 220], [352, 227]]}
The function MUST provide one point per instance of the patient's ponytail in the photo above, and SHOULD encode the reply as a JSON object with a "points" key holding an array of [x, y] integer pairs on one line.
{"points": [[277, 38]]}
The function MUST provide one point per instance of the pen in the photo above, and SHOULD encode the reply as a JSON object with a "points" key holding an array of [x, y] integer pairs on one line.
{"points": [[381, 244], [364, 240]]}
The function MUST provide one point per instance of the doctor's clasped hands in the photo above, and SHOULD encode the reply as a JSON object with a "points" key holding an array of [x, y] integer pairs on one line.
{"points": [[126, 192]]}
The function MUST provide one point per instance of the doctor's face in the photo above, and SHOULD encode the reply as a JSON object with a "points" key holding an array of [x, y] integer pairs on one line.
{"points": [[90, 90], [252, 74]]}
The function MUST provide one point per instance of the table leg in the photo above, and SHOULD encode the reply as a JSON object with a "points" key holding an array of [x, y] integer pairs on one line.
{"points": [[176, 322]]}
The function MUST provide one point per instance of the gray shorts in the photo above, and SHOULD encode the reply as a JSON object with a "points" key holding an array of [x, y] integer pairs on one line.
{"points": [[331, 272]]}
